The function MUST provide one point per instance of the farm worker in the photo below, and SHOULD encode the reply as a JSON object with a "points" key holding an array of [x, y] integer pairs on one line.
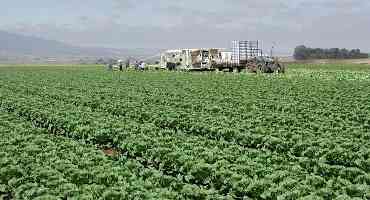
{"points": [[127, 63], [120, 65], [142, 66], [110, 66], [136, 65]]}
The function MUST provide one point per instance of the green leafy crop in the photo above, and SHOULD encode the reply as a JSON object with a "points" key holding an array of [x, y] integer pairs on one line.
{"points": [[73, 133]]}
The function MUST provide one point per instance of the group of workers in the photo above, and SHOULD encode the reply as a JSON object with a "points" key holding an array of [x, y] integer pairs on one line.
{"points": [[139, 65]]}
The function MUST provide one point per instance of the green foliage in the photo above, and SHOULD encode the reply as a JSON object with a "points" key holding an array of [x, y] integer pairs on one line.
{"points": [[303, 52], [90, 134]]}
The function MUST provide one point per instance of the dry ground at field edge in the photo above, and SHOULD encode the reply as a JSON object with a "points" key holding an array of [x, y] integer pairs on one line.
{"points": [[50, 65], [327, 61]]}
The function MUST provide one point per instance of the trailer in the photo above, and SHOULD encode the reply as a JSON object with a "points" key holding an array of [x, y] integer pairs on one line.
{"points": [[190, 59], [248, 56], [244, 56]]}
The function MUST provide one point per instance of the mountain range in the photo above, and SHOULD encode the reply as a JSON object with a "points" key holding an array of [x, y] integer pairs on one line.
{"points": [[17, 45]]}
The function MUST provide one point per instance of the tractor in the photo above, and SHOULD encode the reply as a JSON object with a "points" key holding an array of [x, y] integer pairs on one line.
{"points": [[264, 64]]}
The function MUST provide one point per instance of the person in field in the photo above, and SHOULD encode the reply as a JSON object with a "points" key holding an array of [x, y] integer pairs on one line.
{"points": [[137, 65], [142, 65], [110, 66], [127, 63], [120, 65]]}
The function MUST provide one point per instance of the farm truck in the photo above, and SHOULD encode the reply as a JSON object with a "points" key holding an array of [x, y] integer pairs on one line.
{"points": [[245, 55]]}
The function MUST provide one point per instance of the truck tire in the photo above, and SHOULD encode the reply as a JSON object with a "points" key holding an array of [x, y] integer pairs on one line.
{"points": [[171, 66]]}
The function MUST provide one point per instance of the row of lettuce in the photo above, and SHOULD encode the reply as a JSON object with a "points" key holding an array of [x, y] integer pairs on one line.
{"points": [[309, 126], [37, 165], [173, 139], [307, 118]]}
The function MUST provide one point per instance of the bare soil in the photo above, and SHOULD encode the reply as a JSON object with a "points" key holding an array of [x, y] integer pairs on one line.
{"points": [[111, 152], [327, 61]]}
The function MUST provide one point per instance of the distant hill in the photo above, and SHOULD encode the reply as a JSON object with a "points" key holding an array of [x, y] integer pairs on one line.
{"points": [[16, 45]]}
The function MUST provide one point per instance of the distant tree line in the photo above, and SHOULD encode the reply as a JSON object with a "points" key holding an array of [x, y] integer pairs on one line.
{"points": [[302, 53]]}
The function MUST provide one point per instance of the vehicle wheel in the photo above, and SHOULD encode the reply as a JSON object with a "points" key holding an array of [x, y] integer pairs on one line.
{"points": [[261, 68], [171, 66], [281, 68]]}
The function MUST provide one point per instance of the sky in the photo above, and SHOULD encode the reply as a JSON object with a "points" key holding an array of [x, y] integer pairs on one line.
{"points": [[192, 23]]}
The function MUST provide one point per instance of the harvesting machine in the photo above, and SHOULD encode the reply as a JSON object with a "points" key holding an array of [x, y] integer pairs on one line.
{"points": [[245, 55]]}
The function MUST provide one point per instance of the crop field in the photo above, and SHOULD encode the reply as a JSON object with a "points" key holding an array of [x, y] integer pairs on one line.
{"points": [[87, 133]]}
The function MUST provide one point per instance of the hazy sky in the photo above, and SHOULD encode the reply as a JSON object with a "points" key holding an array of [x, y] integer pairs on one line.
{"points": [[192, 23]]}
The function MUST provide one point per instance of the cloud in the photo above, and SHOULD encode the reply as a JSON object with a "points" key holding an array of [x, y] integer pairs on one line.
{"points": [[194, 23]]}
